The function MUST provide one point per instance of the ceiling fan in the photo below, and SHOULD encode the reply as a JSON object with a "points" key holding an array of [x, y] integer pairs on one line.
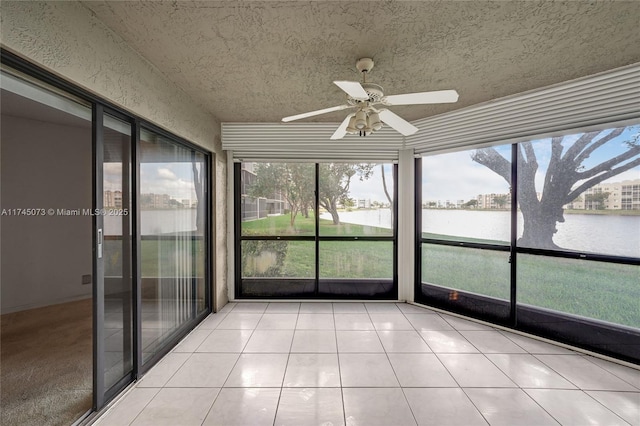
{"points": [[369, 101]]}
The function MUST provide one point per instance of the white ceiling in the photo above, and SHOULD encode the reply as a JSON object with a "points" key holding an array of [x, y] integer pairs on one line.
{"points": [[259, 61]]}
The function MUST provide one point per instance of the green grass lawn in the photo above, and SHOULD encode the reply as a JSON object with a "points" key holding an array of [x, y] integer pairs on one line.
{"points": [[605, 291], [281, 225], [158, 257], [599, 290], [338, 259]]}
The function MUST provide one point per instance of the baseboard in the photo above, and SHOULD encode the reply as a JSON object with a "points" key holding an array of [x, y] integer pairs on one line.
{"points": [[20, 308]]}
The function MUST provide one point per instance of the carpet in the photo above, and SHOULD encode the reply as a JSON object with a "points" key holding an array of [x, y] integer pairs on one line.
{"points": [[46, 362]]}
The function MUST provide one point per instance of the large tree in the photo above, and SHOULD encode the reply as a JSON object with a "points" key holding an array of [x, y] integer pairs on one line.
{"points": [[335, 179], [291, 181], [567, 177]]}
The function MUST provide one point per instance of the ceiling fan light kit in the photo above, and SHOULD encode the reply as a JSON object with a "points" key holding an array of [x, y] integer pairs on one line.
{"points": [[365, 97]]}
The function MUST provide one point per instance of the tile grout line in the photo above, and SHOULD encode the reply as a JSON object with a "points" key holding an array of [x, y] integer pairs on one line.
{"points": [[395, 374], [335, 333], [284, 375], [445, 367], [227, 378], [243, 347]]}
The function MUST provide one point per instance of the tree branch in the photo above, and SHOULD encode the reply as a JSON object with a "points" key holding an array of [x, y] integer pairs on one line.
{"points": [[596, 180], [597, 144], [607, 165], [556, 159], [531, 154], [490, 158], [580, 144]]}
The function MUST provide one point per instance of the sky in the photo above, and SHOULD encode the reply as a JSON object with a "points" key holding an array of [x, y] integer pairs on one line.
{"points": [[452, 176], [372, 188], [455, 176], [175, 179]]}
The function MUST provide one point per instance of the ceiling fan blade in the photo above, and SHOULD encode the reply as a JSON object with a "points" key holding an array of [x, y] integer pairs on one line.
{"points": [[318, 112], [398, 123], [353, 89], [342, 128], [436, 97]]}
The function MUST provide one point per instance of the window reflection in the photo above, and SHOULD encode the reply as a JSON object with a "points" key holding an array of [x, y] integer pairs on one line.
{"points": [[172, 226]]}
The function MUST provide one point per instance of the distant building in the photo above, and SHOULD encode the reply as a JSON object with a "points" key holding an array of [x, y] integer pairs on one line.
{"points": [[155, 201], [494, 201], [363, 204], [112, 199], [623, 195], [257, 207]]}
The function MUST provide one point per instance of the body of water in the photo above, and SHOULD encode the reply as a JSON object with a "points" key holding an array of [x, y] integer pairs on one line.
{"points": [[604, 234], [156, 222]]}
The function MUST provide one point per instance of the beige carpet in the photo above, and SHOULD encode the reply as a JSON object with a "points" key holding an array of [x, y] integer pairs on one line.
{"points": [[46, 361]]}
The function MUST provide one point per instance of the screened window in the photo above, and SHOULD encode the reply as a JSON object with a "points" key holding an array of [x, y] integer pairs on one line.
{"points": [[285, 249], [561, 259]]}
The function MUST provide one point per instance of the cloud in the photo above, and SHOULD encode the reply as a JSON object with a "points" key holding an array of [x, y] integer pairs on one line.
{"points": [[174, 179], [113, 169], [167, 174], [372, 188], [456, 176]]}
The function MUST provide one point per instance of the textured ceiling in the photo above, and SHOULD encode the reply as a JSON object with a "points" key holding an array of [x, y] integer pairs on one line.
{"points": [[262, 60]]}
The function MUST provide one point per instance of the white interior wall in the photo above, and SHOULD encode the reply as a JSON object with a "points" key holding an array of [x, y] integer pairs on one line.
{"points": [[44, 165]]}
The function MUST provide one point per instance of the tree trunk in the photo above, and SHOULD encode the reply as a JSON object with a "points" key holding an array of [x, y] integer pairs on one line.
{"points": [[386, 192], [540, 225], [294, 213], [330, 206], [334, 215], [197, 182]]}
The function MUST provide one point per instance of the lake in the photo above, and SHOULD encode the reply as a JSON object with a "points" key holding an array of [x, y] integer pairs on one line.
{"points": [[156, 222], [604, 234]]}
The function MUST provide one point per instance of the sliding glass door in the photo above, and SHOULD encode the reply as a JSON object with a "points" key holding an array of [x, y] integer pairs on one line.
{"points": [[114, 272], [106, 242]]}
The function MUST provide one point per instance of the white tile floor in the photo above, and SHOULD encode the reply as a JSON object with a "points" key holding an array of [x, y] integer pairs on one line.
{"points": [[372, 364]]}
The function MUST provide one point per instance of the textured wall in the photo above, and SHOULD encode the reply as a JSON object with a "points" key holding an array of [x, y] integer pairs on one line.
{"points": [[65, 38]]}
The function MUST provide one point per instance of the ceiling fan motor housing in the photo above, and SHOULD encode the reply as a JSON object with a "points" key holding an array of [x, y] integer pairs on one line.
{"points": [[364, 64], [374, 92]]}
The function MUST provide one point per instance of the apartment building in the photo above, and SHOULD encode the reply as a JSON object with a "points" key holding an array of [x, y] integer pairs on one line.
{"points": [[624, 195]]}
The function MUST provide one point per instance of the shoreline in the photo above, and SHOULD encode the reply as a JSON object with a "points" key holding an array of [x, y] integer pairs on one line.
{"points": [[566, 211]]}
